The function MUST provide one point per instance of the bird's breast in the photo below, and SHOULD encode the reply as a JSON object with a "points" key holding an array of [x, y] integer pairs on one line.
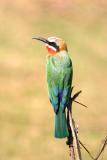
{"points": [[57, 66]]}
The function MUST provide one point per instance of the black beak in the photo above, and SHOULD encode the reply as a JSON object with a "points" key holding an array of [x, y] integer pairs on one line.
{"points": [[41, 39]]}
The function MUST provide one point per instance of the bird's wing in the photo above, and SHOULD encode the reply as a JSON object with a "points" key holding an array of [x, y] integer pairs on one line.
{"points": [[65, 92], [53, 95], [60, 90]]}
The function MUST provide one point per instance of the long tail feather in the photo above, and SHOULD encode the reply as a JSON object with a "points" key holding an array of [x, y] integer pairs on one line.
{"points": [[61, 129]]}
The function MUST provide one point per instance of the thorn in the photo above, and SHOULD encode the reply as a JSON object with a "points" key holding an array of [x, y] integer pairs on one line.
{"points": [[72, 88], [80, 103], [76, 95], [87, 150]]}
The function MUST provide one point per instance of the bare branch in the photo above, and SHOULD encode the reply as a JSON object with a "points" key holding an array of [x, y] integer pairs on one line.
{"points": [[74, 150], [86, 150], [71, 152], [76, 141], [102, 149]]}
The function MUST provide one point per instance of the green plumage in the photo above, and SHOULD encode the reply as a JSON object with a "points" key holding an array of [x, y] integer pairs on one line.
{"points": [[59, 78]]}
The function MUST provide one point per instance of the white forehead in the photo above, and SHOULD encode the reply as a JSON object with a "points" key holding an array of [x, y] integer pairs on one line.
{"points": [[52, 39]]}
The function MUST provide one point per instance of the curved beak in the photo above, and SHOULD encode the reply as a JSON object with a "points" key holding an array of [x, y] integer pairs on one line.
{"points": [[41, 39]]}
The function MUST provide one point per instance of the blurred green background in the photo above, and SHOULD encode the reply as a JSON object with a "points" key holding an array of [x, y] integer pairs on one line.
{"points": [[26, 116]]}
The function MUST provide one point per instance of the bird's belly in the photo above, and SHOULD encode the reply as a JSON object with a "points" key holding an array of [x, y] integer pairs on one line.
{"points": [[54, 74]]}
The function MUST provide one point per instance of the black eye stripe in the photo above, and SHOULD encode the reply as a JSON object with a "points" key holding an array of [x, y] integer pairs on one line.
{"points": [[54, 45]]}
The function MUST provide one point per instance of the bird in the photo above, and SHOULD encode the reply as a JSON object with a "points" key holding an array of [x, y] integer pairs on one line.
{"points": [[59, 73]]}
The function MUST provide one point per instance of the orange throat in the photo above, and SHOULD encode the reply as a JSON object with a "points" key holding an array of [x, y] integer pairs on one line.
{"points": [[51, 50]]}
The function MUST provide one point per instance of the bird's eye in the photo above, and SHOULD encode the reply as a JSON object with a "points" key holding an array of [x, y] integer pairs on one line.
{"points": [[54, 45]]}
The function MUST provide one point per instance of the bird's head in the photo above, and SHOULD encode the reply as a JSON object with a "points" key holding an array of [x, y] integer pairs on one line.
{"points": [[53, 44]]}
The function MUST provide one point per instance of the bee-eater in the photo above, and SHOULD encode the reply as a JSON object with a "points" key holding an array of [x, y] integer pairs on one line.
{"points": [[59, 78]]}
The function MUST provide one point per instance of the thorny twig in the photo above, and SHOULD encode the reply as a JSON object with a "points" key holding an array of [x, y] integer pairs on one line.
{"points": [[102, 149], [86, 150], [76, 141], [75, 151], [99, 154]]}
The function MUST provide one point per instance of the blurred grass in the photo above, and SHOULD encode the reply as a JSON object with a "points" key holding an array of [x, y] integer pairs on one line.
{"points": [[26, 116]]}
